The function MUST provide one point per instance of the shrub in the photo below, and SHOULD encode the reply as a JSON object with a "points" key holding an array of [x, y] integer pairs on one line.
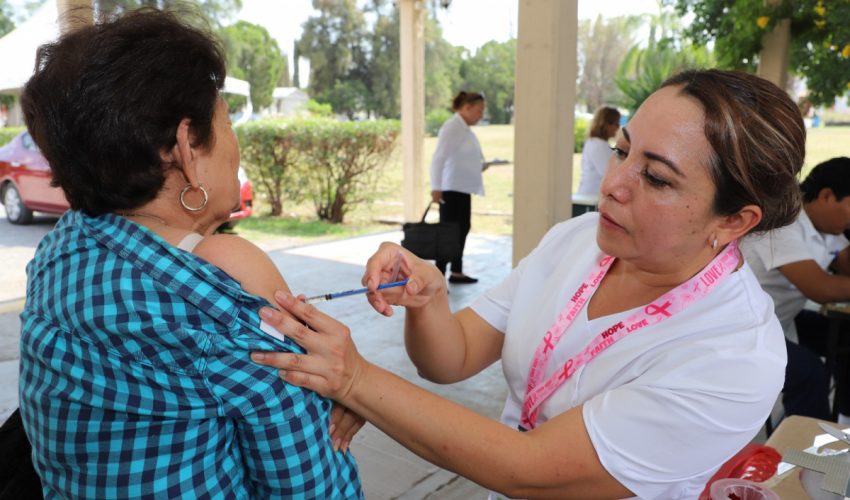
{"points": [[9, 133], [580, 132], [435, 119], [343, 162], [269, 154], [334, 164], [317, 108]]}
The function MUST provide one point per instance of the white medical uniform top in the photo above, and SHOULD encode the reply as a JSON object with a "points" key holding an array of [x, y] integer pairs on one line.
{"points": [[665, 406]]}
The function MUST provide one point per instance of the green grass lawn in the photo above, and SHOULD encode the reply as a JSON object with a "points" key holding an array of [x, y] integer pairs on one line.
{"points": [[491, 213]]}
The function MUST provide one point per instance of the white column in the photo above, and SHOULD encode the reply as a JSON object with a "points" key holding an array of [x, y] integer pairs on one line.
{"points": [[412, 48], [545, 95], [73, 13]]}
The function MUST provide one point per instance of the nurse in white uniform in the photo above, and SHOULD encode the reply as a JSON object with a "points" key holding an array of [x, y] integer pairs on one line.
{"points": [[640, 352]]}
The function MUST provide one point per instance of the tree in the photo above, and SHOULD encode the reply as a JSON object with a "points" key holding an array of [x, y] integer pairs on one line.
{"points": [[442, 67], [442, 63], [602, 45], [6, 23], [820, 37], [296, 78], [347, 97], [284, 80], [253, 54], [215, 11], [491, 71], [333, 42], [666, 53], [384, 65], [644, 69], [356, 69]]}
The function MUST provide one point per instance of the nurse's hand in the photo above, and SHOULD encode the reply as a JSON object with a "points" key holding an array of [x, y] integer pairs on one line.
{"points": [[344, 425], [392, 263], [331, 365]]}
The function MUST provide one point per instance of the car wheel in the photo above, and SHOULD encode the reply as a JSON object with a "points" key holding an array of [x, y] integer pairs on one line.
{"points": [[16, 211]]}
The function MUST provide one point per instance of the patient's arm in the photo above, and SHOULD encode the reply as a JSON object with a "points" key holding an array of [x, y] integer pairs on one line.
{"points": [[243, 261], [255, 271]]}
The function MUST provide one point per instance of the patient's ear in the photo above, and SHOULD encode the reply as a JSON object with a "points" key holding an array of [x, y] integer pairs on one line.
{"points": [[182, 154]]}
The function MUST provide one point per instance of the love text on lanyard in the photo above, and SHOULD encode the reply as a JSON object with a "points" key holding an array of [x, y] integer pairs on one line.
{"points": [[672, 302]]}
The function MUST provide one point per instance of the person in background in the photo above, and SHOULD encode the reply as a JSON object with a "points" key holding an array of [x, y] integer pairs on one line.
{"points": [[456, 173], [809, 260], [135, 379], [596, 151], [640, 351]]}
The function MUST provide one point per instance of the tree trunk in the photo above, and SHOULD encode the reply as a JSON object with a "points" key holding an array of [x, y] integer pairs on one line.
{"points": [[337, 209], [277, 205]]}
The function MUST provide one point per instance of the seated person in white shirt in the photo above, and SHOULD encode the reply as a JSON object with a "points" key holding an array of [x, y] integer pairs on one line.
{"points": [[808, 260], [596, 151]]}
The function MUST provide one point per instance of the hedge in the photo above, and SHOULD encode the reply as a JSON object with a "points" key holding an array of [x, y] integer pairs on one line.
{"points": [[580, 133], [334, 164], [435, 119]]}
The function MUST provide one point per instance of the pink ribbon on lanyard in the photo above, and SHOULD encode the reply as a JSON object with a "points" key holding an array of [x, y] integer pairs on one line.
{"points": [[656, 311]]}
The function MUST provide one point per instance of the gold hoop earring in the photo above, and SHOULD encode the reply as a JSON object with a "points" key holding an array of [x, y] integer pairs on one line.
{"points": [[183, 200]]}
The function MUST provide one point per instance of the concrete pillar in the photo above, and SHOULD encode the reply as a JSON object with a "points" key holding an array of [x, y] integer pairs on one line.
{"points": [[412, 47], [773, 59], [545, 96], [73, 13]]}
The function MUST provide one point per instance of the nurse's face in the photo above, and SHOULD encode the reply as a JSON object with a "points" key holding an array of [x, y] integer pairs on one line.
{"points": [[656, 197]]}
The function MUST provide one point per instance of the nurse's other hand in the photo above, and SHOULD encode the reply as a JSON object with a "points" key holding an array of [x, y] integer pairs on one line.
{"points": [[392, 263], [344, 425], [331, 365]]}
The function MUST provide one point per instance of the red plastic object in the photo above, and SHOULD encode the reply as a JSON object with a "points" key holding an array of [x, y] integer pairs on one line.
{"points": [[755, 462]]}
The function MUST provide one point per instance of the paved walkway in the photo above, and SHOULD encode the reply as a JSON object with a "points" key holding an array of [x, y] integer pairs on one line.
{"points": [[388, 470]]}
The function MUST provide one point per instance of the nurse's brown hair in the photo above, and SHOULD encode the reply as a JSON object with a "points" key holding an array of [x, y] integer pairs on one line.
{"points": [[758, 142]]}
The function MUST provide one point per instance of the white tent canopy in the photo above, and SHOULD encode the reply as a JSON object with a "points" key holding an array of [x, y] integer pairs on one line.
{"points": [[18, 48], [236, 86]]}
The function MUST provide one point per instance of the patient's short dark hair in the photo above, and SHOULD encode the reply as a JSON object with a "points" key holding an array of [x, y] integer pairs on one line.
{"points": [[106, 99]]}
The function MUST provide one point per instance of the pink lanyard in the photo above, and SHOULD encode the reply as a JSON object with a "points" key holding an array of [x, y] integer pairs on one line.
{"points": [[660, 309]]}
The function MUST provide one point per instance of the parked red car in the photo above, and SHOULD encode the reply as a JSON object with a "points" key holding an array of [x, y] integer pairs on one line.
{"points": [[25, 184]]}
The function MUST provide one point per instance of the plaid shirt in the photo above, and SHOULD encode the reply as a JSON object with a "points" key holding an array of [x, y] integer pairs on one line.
{"points": [[136, 381]]}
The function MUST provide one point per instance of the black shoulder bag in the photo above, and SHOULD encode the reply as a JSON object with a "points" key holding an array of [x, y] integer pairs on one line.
{"points": [[437, 241]]}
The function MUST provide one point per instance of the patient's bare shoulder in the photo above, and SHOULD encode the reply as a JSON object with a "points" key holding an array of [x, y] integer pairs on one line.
{"points": [[245, 262]]}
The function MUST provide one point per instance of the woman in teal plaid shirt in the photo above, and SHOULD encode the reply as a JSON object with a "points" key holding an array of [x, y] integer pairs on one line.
{"points": [[135, 376]]}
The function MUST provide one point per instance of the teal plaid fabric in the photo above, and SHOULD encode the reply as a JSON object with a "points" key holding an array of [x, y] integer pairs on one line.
{"points": [[136, 379]]}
